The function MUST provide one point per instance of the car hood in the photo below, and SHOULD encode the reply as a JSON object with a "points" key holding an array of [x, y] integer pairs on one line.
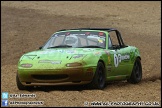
{"points": [[63, 53], [59, 56]]}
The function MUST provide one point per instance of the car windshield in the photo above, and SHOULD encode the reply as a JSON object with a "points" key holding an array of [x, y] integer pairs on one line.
{"points": [[77, 39]]}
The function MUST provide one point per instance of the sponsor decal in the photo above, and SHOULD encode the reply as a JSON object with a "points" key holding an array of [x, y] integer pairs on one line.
{"points": [[70, 51], [61, 51], [50, 61], [107, 52], [78, 56], [100, 40], [118, 58], [87, 33], [109, 59], [97, 53], [47, 52], [68, 33], [101, 33]]}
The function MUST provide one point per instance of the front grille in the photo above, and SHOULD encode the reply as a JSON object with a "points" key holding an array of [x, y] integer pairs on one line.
{"points": [[50, 77]]}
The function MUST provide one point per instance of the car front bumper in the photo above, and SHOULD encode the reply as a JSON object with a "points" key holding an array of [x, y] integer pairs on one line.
{"points": [[68, 76]]}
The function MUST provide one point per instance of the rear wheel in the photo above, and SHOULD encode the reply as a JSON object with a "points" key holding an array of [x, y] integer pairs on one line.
{"points": [[98, 81], [136, 75]]}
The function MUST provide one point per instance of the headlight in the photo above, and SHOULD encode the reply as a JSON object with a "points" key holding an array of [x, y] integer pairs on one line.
{"points": [[73, 64], [26, 65]]}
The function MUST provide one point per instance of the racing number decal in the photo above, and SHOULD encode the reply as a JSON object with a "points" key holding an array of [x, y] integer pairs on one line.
{"points": [[118, 58], [116, 62]]}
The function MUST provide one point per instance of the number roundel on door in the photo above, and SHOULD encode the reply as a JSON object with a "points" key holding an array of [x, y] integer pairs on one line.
{"points": [[116, 60]]}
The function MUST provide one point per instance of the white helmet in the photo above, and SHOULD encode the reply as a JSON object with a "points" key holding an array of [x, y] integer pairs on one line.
{"points": [[72, 41]]}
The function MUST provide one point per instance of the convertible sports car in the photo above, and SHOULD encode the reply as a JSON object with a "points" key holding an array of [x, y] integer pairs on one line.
{"points": [[80, 56]]}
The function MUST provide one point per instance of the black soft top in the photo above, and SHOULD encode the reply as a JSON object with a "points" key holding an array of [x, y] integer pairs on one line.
{"points": [[103, 29]]}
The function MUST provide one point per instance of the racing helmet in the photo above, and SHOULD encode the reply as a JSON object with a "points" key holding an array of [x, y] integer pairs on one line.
{"points": [[72, 41]]}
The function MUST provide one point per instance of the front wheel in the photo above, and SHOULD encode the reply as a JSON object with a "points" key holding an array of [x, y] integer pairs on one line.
{"points": [[98, 81], [136, 75]]}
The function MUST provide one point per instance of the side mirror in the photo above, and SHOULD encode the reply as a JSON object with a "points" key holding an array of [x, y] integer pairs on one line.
{"points": [[116, 47], [40, 47]]}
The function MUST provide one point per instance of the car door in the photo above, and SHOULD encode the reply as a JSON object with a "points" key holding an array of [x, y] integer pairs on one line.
{"points": [[118, 54]]}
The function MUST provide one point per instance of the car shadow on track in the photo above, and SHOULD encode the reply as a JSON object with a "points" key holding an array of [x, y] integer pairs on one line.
{"points": [[86, 87], [60, 88], [75, 87]]}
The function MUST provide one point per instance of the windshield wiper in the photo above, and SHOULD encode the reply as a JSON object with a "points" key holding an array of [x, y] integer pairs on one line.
{"points": [[60, 46], [91, 46]]}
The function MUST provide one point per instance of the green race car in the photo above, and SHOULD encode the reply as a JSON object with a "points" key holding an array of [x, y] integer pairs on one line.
{"points": [[80, 56]]}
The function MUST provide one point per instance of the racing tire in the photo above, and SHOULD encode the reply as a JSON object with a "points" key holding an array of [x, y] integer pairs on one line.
{"points": [[99, 78], [20, 86], [136, 74]]}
